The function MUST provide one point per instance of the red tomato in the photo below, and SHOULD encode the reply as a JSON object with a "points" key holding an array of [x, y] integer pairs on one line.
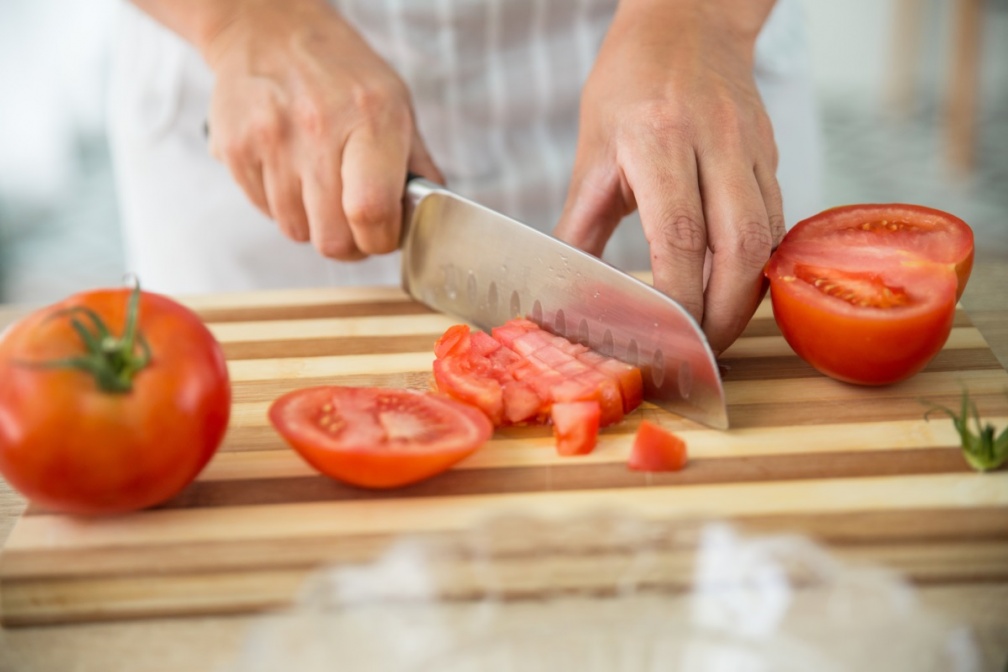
{"points": [[378, 438], [656, 449], [867, 294], [575, 426], [129, 434]]}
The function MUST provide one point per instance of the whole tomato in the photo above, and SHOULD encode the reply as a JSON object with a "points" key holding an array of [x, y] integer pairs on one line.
{"points": [[110, 401]]}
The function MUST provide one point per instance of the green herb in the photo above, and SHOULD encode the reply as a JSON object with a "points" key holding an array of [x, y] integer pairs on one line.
{"points": [[981, 449]]}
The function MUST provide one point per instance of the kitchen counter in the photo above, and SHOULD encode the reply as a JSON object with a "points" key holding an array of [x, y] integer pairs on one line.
{"points": [[208, 642]]}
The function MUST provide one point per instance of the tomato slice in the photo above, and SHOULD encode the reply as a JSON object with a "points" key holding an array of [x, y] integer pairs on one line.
{"points": [[375, 437], [575, 426], [471, 381], [656, 449], [867, 294]]}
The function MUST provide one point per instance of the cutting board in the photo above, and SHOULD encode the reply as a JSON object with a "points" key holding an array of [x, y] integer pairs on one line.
{"points": [[858, 469]]}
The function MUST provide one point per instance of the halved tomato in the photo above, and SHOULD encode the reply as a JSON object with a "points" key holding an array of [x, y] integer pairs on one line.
{"points": [[375, 437], [866, 294], [656, 449]]}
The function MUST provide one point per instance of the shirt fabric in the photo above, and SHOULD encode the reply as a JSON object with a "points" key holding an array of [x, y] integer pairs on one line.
{"points": [[496, 88]]}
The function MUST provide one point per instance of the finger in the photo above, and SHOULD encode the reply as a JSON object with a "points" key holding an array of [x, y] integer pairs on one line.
{"points": [[283, 195], [323, 198], [244, 166], [594, 206], [374, 172], [770, 190], [668, 198], [250, 178], [420, 161], [740, 239]]}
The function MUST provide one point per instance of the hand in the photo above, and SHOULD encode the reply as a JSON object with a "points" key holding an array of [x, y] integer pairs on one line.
{"points": [[672, 124], [314, 126]]}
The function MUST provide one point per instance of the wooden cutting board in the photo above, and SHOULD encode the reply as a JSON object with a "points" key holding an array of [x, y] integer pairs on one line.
{"points": [[857, 468]]}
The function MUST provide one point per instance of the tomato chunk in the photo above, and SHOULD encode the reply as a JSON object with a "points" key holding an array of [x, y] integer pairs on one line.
{"points": [[656, 449], [575, 426], [378, 438]]}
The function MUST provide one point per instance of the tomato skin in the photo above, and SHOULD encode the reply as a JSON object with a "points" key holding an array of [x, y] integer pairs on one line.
{"points": [[865, 348], [866, 294], [378, 438], [68, 446], [656, 449]]}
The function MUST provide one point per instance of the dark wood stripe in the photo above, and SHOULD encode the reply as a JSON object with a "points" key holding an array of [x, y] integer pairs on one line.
{"points": [[574, 476], [313, 311], [791, 366], [782, 413]]}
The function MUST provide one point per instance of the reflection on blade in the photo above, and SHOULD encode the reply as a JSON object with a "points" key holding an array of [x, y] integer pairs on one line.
{"points": [[464, 259]]}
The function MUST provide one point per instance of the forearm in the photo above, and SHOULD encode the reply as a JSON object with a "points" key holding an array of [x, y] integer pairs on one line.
{"points": [[199, 22]]}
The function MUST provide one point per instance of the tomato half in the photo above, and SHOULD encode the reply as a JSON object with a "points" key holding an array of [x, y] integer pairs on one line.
{"points": [[375, 437], [866, 294], [122, 428], [656, 449]]}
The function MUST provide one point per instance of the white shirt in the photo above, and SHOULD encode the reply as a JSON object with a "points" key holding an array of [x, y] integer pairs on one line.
{"points": [[496, 87]]}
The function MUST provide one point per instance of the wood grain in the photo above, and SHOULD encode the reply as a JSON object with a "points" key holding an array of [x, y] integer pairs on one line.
{"points": [[860, 468]]}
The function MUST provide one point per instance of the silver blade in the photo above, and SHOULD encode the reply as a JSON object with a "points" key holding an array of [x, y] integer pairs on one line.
{"points": [[467, 260]]}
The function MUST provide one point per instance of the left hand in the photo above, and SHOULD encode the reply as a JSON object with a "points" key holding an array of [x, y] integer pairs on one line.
{"points": [[672, 124]]}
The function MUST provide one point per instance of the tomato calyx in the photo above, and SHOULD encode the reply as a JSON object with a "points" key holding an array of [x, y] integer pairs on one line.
{"points": [[112, 360]]}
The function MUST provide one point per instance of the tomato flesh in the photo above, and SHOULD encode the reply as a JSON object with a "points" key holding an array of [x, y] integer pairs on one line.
{"points": [[656, 449], [867, 294], [378, 438], [575, 426]]}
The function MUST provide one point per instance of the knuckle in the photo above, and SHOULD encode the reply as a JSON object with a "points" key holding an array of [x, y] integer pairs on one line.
{"points": [[751, 242], [682, 232]]}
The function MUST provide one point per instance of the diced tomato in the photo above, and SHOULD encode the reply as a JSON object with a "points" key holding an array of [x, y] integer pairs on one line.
{"points": [[575, 426], [521, 403], [656, 449], [518, 374]]}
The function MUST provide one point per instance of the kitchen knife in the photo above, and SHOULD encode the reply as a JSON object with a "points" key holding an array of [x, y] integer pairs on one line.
{"points": [[464, 259]]}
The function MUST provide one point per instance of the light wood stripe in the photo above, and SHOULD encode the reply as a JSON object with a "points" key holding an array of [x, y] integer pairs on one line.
{"points": [[290, 522]]}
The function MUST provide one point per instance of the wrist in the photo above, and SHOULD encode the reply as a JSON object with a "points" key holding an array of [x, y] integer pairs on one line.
{"points": [[732, 25]]}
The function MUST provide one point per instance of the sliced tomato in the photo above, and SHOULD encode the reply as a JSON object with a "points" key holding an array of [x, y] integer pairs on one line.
{"points": [[656, 449], [454, 341], [378, 438], [575, 426], [867, 294], [470, 381]]}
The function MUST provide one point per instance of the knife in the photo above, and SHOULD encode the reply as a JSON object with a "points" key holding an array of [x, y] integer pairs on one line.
{"points": [[464, 259]]}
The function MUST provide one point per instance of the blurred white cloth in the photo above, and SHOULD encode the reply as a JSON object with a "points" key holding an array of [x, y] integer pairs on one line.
{"points": [[496, 87]]}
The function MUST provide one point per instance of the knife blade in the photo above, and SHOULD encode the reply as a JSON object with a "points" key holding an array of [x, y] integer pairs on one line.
{"points": [[464, 259]]}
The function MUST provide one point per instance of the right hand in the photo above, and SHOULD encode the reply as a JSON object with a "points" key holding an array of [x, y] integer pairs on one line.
{"points": [[314, 126]]}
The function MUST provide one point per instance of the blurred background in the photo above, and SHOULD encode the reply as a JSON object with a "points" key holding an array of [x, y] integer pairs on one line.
{"points": [[913, 96]]}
